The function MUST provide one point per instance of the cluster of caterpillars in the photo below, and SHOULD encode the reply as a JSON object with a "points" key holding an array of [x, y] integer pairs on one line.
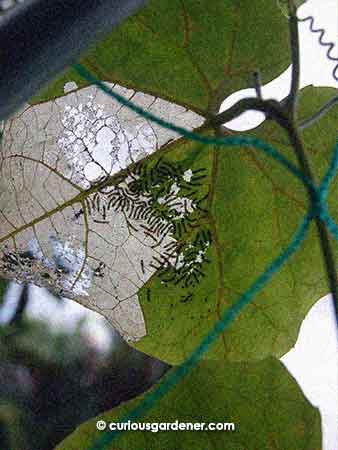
{"points": [[190, 261], [160, 199]]}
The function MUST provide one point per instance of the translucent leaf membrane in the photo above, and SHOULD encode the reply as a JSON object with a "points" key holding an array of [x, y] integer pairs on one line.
{"points": [[68, 221]]}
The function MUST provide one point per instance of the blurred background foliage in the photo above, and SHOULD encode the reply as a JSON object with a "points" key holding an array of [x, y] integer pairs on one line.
{"points": [[51, 380]]}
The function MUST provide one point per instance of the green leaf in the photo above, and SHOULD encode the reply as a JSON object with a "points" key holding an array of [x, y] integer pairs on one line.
{"points": [[262, 400], [227, 214], [253, 208], [90, 235], [193, 53]]}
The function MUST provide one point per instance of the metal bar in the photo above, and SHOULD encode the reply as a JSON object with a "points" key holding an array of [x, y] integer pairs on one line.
{"points": [[40, 38]]}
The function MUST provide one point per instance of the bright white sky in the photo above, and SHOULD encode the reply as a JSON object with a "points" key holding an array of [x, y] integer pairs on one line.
{"points": [[314, 359], [316, 69]]}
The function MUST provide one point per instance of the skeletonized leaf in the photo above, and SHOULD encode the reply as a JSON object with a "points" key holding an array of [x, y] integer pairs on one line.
{"points": [[163, 248], [77, 213]]}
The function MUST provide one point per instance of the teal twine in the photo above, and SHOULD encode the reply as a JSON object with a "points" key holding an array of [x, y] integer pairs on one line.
{"points": [[330, 223], [229, 316], [318, 208], [237, 141], [331, 172], [324, 191]]}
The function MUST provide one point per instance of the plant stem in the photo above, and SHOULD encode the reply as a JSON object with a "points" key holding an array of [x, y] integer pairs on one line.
{"points": [[329, 259], [291, 105], [291, 110], [258, 84], [316, 116], [278, 113], [284, 114], [270, 107]]}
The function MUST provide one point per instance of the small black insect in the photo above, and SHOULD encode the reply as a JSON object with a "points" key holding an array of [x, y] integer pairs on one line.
{"points": [[186, 299], [99, 271], [78, 214]]}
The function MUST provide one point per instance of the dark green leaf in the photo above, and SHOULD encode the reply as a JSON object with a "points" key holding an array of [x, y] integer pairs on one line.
{"points": [[262, 400], [193, 53]]}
